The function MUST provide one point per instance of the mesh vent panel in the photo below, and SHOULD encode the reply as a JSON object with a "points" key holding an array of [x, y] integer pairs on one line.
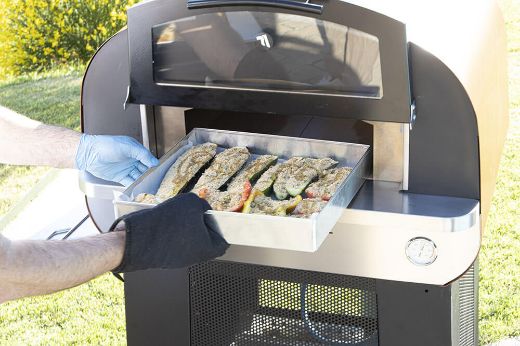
{"points": [[467, 308], [242, 305]]}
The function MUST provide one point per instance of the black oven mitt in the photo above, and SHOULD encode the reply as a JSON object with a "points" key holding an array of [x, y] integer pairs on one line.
{"points": [[171, 235]]}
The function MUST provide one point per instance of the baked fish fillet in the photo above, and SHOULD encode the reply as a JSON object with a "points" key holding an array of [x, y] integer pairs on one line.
{"points": [[184, 169], [252, 171], [298, 173], [222, 169], [328, 183]]}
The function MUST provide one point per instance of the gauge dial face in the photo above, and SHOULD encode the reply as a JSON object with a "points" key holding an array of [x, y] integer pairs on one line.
{"points": [[421, 251]]}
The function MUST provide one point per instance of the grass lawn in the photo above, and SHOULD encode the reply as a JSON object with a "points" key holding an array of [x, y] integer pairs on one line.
{"points": [[94, 313], [53, 99], [500, 254]]}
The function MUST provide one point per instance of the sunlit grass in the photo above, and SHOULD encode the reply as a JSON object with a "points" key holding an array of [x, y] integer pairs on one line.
{"points": [[52, 98], [500, 254], [92, 314]]}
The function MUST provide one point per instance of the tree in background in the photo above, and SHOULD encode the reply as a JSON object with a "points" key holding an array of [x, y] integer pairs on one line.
{"points": [[36, 35]]}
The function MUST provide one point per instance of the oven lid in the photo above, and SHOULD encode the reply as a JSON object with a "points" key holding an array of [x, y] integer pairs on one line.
{"points": [[267, 52], [342, 61]]}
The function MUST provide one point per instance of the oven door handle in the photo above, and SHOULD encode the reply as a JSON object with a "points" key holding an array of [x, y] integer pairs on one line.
{"points": [[290, 4]]}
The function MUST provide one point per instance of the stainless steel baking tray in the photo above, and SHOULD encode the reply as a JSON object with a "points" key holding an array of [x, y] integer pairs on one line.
{"points": [[276, 232]]}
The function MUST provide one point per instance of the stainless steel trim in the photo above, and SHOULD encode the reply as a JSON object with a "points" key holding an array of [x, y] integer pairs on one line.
{"points": [[420, 222], [464, 308], [406, 156], [413, 115], [383, 196], [188, 85], [144, 126], [170, 127], [455, 314], [125, 104], [388, 151]]}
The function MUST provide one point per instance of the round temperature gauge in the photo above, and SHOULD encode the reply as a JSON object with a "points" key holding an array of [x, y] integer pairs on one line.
{"points": [[421, 251]]}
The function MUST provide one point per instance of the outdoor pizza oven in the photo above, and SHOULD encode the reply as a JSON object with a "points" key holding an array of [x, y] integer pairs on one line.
{"points": [[424, 85]]}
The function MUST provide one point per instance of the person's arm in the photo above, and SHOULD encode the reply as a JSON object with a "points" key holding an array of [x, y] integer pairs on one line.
{"points": [[114, 158], [27, 142], [172, 235], [38, 267]]}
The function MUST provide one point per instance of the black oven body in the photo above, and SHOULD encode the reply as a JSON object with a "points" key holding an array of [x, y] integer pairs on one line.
{"points": [[227, 303], [214, 304], [144, 89]]}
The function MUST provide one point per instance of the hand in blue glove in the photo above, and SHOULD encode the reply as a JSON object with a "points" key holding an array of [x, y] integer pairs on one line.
{"points": [[115, 158]]}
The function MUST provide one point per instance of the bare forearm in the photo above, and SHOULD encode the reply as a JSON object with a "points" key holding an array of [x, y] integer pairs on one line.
{"points": [[30, 268], [27, 142]]}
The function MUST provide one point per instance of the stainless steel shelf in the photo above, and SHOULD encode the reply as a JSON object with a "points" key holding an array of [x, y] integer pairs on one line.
{"points": [[386, 197], [371, 237]]}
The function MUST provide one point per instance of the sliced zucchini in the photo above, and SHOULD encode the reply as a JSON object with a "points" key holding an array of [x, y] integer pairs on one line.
{"points": [[298, 173], [328, 183], [222, 169], [307, 207], [184, 169], [258, 203], [146, 198], [252, 171], [267, 179], [227, 200]]}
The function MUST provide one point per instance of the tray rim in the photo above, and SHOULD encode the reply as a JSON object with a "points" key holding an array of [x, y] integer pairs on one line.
{"points": [[177, 146]]}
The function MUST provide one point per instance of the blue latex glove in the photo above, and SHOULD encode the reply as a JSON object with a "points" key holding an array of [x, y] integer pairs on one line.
{"points": [[115, 158]]}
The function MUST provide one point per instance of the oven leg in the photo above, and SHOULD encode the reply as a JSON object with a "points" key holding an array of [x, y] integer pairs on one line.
{"points": [[158, 308]]}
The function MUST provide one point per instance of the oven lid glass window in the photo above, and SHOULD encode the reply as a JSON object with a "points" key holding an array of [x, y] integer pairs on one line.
{"points": [[267, 51]]}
